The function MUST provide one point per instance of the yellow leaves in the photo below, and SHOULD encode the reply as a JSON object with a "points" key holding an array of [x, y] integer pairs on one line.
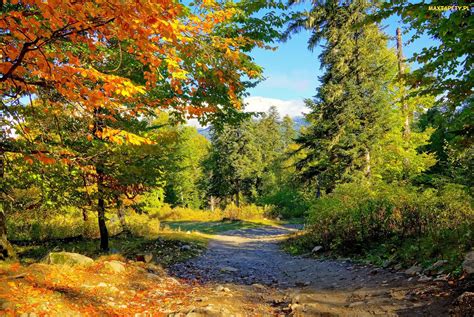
{"points": [[135, 139], [208, 3], [121, 137], [181, 74]]}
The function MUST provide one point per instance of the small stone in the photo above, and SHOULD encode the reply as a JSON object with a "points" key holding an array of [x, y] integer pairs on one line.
{"points": [[413, 270], [220, 288], [468, 264], [185, 247], [114, 266], [317, 249], [228, 269], [374, 271], [148, 257], [443, 278], [258, 286], [437, 265], [302, 284], [424, 278]]}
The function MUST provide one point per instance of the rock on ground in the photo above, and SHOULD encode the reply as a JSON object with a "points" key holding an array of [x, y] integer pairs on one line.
{"points": [[468, 264], [67, 258], [114, 266]]}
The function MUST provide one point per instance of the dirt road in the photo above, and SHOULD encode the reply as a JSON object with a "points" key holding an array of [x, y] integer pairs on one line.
{"points": [[248, 265]]}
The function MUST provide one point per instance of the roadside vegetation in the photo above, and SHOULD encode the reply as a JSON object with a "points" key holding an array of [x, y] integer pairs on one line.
{"points": [[388, 150]]}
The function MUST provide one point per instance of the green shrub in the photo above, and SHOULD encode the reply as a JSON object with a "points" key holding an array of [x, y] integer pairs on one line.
{"points": [[286, 203], [142, 225], [403, 222], [246, 212]]}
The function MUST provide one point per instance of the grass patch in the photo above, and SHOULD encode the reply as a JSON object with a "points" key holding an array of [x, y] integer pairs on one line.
{"points": [[167, 248], [214, 227]]}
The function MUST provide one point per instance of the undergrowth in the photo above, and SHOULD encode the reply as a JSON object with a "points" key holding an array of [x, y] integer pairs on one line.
{"points": [[392, 224]]}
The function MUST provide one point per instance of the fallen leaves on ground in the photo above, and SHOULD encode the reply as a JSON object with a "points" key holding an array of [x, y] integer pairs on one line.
{"points": [[91, 290]]}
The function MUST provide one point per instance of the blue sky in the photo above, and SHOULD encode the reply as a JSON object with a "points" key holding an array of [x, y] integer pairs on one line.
{"points": [[292, 70]]}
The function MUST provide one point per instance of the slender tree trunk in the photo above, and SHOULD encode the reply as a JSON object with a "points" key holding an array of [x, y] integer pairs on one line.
{"points": [[367, 163], [85, 216], [104, 234], [212, 203], [401, 71], [6, 249], [237, 198], [99, 168]]}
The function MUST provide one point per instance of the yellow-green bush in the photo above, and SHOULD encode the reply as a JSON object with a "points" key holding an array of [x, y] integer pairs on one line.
{"points": [[142, 225], [246, 212], [57, 225], [412, 224]]}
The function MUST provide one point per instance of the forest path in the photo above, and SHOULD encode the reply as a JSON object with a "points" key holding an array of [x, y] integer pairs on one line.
{"points": [[250, 262]]}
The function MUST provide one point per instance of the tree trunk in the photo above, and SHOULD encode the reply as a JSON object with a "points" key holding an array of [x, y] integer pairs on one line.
{"points": [[104, 234], [212, 203], [367, 163], [85, 216], [99, 168], [237, 199], [401, 71], [6, 249]]}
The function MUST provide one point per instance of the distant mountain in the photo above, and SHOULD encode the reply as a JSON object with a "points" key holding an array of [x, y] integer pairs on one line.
{"points": [[205, 132], [299, 123]]}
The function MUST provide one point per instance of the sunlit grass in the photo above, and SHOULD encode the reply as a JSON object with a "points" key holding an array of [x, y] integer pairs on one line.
{"points": [[167, 247], [214, 227]]}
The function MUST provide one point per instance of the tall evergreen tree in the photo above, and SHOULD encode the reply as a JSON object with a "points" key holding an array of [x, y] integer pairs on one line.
{"points": [[235, 161], [352, 106]]}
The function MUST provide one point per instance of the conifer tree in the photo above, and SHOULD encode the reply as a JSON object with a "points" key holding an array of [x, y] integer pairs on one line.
{"points": [[351, 109]]}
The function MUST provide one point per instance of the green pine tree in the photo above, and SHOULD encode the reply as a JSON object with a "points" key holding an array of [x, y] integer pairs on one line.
{"points": [[350, 112]]}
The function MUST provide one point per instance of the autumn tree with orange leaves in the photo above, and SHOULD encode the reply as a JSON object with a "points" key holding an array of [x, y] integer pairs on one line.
{"points": [[121, 59]]}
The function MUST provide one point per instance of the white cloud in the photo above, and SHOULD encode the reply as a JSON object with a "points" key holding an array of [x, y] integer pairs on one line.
{"points": [[293, 108], [194, 123]]}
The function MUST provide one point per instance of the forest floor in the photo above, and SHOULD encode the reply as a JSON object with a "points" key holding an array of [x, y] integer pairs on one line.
{"points": [[243, 272]]}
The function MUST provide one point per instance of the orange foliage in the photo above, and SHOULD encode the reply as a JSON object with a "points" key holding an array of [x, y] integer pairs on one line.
{"points": [[56, 43]]}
